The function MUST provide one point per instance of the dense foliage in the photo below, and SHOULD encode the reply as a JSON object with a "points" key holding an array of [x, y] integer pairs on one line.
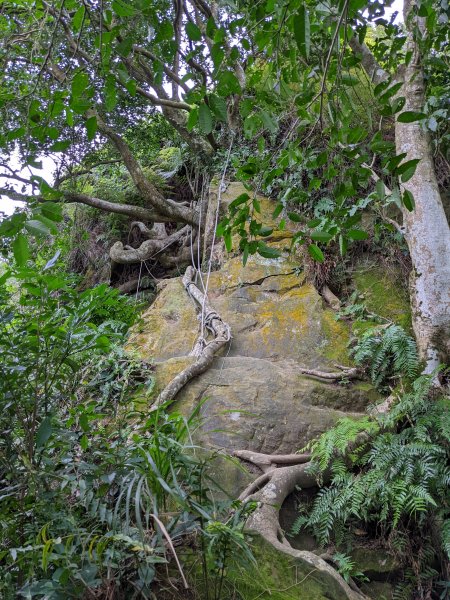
{"points": [[95, 491], [390, 476], [139, 104]]}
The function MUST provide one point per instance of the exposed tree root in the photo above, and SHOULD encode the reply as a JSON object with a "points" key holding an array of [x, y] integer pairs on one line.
{"points": [[270, 491], [343, 373], [331, 299], [204, 350], [272, 488], [267, 462], [125, 255]]}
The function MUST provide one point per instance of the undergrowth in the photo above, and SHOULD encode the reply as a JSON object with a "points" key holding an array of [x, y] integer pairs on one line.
{"points": [[394, 482], [96, 494]]}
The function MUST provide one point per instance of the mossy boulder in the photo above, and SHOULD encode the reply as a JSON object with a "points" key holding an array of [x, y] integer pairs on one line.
{"points": [[254, 395]]}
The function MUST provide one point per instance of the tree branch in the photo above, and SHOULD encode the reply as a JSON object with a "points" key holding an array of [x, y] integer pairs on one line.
{"points": [[374, 71], [169, 208]]}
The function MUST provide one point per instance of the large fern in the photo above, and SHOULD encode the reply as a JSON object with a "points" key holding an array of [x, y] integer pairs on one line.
{"points": [[387, 352], [396, 481]]}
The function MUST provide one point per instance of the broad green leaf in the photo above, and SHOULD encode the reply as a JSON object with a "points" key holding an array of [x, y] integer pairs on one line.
{"points": [[228, 241], [205, 121], [51, 210], [390, 92], [49, 223], [357, 234], [267, 252], [381, 190], [407, 167], [91, 128], [77, 18], [409, 116], [302, 31], [37, 228], [295, 217], [44, 432], [342, 245], [79, 84], [60, 146], [408, 200], [316, 253], [21, 249], [110, 93], [192, 119], [321, 236], [193, 32], [349, 80], [277, 210], [218, 106], [227, 84], [122, 9], [239, 200], [269, 121]]}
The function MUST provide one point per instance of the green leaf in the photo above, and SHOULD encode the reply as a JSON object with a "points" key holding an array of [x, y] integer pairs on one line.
{"points": [[84, 443], [277, 210], [227, 84], [193, 32], [267, 252], [51, 210], [316, 253], [91, 128], [407, 166], [295, 217], [49, 223], [110, 93], [219, 107], [239, 200], [302, 31], [409, 116], [77, 18], [408, 200], [122, 9], [21, 249], [60, 146], [269, 121], [192, 119], [205, 121], [44, 432], [357, 234], [321, 236], [228, 240], [79, 84], [37, 228]]}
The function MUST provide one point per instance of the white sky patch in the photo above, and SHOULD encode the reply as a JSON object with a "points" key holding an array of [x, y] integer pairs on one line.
{"points": [[7, 205], [397, 6]]}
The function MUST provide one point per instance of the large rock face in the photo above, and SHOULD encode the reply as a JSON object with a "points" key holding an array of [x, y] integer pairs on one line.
{"points": [[255, 396]]}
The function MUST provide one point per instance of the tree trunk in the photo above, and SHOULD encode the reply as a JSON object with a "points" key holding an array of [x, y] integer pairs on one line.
{"points": [[427, 230]]}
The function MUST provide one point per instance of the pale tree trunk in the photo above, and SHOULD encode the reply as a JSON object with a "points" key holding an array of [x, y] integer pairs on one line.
{"points": [[427, 230]]}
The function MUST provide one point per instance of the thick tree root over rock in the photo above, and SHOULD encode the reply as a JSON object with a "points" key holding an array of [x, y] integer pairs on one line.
{"points": [[204, 350], [270, 490]]}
